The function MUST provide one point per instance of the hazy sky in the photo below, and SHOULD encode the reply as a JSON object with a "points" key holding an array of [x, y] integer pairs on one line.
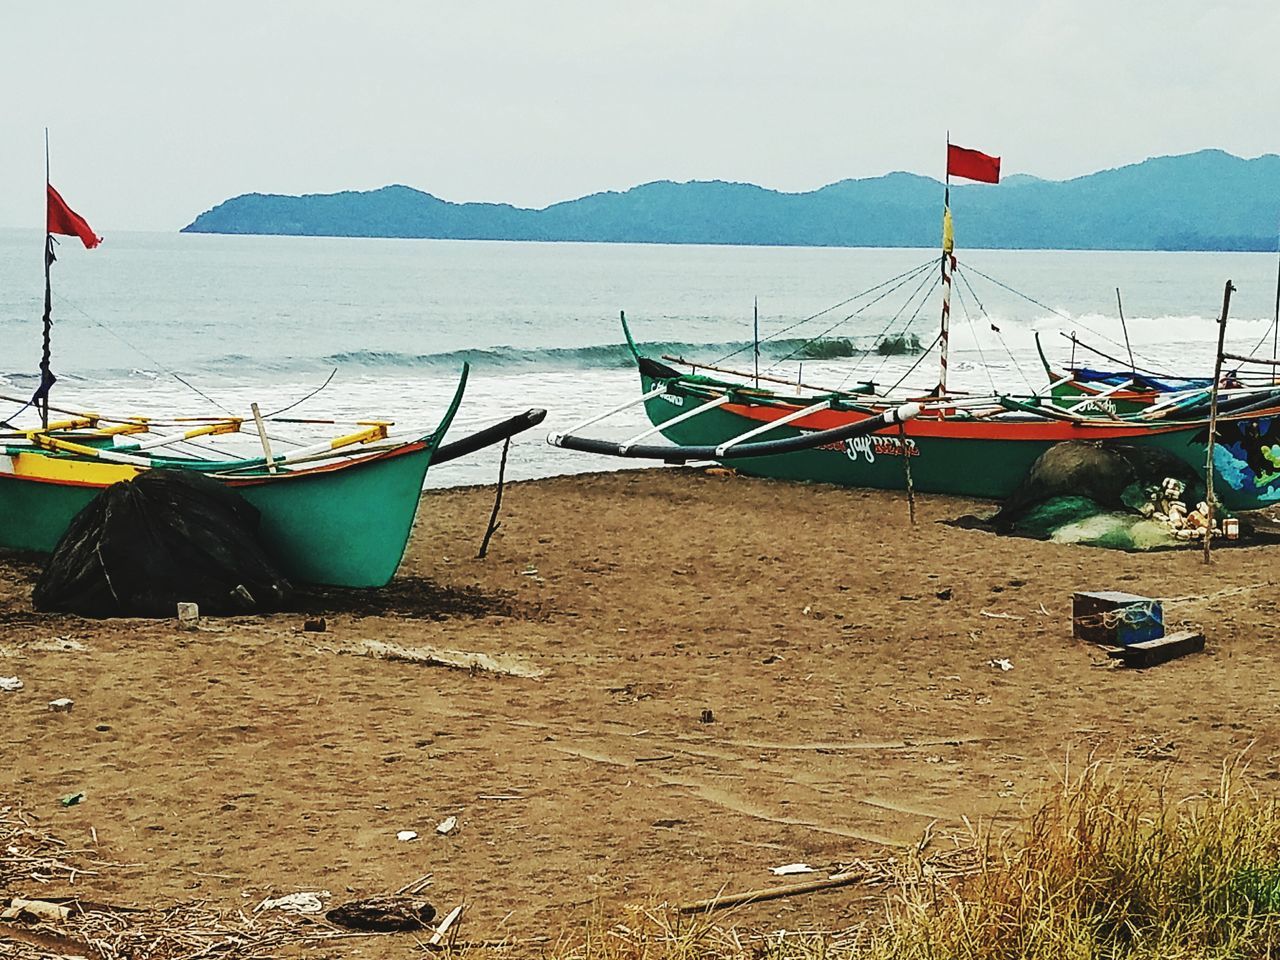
{"points": [[159, 110]]}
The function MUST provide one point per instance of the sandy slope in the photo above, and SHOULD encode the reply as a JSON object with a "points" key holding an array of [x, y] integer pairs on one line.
{"points": [[853, 705]]}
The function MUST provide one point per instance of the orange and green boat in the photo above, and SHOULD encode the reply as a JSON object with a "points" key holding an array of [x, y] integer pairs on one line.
{"points": [[978, 451], [949, 443]]}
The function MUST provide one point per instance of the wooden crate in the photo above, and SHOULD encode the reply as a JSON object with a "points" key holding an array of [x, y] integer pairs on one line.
{"points": [[1115, 618]]}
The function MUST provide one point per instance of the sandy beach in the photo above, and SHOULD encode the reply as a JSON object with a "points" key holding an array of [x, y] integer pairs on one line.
{"points": [[841, 656]]}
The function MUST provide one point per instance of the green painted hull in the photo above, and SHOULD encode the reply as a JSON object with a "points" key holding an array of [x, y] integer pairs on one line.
{"points": [[962, 458], [345, 524]]}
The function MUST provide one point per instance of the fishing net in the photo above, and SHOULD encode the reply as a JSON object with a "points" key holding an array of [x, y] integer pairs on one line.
{"points": [[1105, 495], [143, 545]]}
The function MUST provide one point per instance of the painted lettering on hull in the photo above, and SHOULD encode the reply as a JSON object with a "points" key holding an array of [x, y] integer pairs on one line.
{"points": [[868, 448]]}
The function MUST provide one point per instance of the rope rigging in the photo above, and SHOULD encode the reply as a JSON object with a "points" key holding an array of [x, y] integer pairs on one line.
{"points": [[923, 353], [1044, 306], [995, 329], [908, 274], [860, 310], [982, 357], [914, 317], [160, 366]]}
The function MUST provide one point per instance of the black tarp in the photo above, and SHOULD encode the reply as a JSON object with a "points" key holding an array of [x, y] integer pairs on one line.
{"points": [[143, 545]]}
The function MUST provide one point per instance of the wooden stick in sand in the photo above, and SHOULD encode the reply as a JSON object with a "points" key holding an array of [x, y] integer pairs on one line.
{"points": [[497, 501]]}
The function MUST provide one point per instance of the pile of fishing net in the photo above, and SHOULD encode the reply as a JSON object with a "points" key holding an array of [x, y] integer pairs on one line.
{"points": [[1108, 495], [141, 546]]}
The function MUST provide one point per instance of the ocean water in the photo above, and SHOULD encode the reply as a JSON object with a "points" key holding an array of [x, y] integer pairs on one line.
{"points": [[163, 324]]}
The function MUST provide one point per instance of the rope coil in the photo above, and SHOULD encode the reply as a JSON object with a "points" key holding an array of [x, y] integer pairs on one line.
{"points": [[1130, 614]]}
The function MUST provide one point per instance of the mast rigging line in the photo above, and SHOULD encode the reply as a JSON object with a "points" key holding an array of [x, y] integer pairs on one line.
{"points": [[964, 307], [99, 323], [1057, 313], [896, 287], [964, 278], [920, 359], [914, 317], [924, 272], [1076, 342], [834, 306]]}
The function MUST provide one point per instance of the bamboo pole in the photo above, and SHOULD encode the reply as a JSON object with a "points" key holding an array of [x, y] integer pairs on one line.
{"points": [[1213, 422], [262, 437], [1125, 328], [906, 465]]}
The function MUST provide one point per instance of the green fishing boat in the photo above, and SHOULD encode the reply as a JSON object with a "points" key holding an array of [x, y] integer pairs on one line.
{"points": [[942, 442], [337, 512], [344, 521], [947, 449]]}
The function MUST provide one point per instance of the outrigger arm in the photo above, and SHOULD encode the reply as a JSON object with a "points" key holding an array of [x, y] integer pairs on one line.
{"points": [[732, 449]]}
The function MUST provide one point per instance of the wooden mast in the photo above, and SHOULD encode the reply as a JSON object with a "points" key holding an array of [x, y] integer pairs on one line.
{"points": [[948, 247]]}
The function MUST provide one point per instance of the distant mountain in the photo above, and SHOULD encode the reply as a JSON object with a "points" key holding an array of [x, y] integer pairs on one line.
{"points": [[1208, 200]]}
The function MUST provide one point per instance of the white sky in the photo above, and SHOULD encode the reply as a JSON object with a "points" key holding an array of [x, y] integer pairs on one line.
{"points": [[159, 110]]}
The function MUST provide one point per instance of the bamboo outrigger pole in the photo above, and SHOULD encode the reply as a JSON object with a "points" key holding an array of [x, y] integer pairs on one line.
{"points": [[1213, 421]]}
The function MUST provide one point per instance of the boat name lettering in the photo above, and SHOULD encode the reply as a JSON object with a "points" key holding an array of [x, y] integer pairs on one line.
{"points": [[672, 399], [1103, 404], [871, 447]]}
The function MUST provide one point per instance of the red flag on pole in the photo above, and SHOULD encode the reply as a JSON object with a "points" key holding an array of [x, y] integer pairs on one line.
{"points": [[972, 165], [61, 219]]}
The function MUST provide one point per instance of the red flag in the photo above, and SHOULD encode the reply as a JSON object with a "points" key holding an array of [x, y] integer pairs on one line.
{"points": [[972, 165], [63, 220]]}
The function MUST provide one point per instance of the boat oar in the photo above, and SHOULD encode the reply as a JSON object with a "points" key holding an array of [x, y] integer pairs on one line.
{"points": [[761, 448]]}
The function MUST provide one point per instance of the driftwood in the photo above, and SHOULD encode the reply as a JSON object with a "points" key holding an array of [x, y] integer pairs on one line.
{"points": [[772, 893], [455, 659], [450, 919]]}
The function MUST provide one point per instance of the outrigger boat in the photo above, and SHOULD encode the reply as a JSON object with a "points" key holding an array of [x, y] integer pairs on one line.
{"points": [[337, 512], [331, 514], [980, 446]]}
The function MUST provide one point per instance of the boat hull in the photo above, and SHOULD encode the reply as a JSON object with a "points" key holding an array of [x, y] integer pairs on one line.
{"points": [[974, 458], [344, 524], [343, 527]]}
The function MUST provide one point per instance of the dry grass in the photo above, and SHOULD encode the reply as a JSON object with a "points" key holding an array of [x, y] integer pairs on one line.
{"points": [[1104, 868], [1108, 868]]}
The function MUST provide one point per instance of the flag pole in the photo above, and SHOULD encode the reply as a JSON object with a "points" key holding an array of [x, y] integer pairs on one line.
{"points": [[944, 338], [46, 374]]}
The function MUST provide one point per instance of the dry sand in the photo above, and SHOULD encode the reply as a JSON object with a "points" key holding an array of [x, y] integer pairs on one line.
{"points": [[843, 655]]}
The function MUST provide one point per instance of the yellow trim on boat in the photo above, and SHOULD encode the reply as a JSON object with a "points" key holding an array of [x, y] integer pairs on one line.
{"points": [[78, 423], [37, 466], [378, 432], [123, 428], [67, 446]]}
